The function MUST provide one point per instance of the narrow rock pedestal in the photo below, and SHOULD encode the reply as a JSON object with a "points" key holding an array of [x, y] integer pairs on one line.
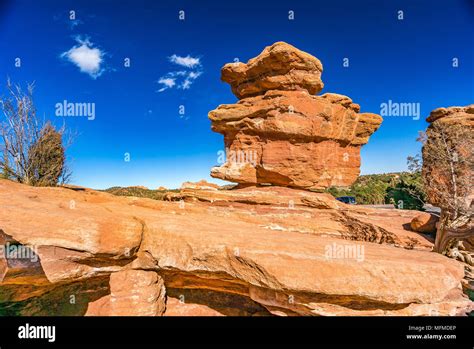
{"points": [[132, 293]]}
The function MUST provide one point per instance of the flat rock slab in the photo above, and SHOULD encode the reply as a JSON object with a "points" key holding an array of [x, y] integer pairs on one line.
{"points": [[272, 267]]}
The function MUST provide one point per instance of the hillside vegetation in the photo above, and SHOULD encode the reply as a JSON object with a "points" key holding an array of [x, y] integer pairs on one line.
{"points": [[403, 190], [139, 192]]}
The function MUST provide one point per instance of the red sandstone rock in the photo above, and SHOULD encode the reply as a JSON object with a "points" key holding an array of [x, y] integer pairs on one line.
{"points": [[453, 115], [279, 66], [424, 223], [256, 255], [202, 184], [132, 293], [448, 171], [277, 196], [174, 307], [286, 136]]}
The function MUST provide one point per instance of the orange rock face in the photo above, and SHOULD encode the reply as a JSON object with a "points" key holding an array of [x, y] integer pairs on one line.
{"points": [[279, 67], [281, 134], [424, 223], [202, 184], [132, 293], [463, 116], [448, 171], [251, 251]]}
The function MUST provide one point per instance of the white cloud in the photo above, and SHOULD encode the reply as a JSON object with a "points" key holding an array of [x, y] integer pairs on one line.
{"points": [[188, 61], [178, 73], [167, 83], [86, 57], [186, 84], [194, 75], [181, 79], [186, 80]]}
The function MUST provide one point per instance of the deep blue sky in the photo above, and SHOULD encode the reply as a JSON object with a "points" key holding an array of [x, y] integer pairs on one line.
{"points": [[405, 61]]}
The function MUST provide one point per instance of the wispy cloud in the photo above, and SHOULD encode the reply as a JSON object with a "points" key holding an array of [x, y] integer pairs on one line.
{"points": [[86, 57], [167, 83], [190, 79], [188, 61], [181, 79], [73, 23]]}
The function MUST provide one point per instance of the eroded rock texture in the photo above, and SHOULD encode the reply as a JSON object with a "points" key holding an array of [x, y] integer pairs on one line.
{"points": [[448, 171], [280, 133], [252, 251], [279, 67], [132, 292]]}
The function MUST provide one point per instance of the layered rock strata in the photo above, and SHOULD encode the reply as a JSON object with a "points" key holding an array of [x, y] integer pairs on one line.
{"points": [[259, 251], [280, 133], [448, 171]]}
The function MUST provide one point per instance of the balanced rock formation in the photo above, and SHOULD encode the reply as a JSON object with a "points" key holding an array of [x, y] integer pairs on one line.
{"points": [[251, 251], [280, 133]]}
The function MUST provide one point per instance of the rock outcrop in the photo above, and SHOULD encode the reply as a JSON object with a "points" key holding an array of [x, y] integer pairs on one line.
{"points": [[448, 171], [424, 223], [252, 251], [450, 121], [280, 133], [202, 184], [249, 251], [279, 67]]}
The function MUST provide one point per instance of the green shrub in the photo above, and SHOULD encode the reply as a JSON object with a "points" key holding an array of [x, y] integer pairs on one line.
{"points": [[387, 188]]}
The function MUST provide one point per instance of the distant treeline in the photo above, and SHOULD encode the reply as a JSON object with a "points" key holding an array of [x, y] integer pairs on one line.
{"points": [[139, 192], [403, 190]]}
